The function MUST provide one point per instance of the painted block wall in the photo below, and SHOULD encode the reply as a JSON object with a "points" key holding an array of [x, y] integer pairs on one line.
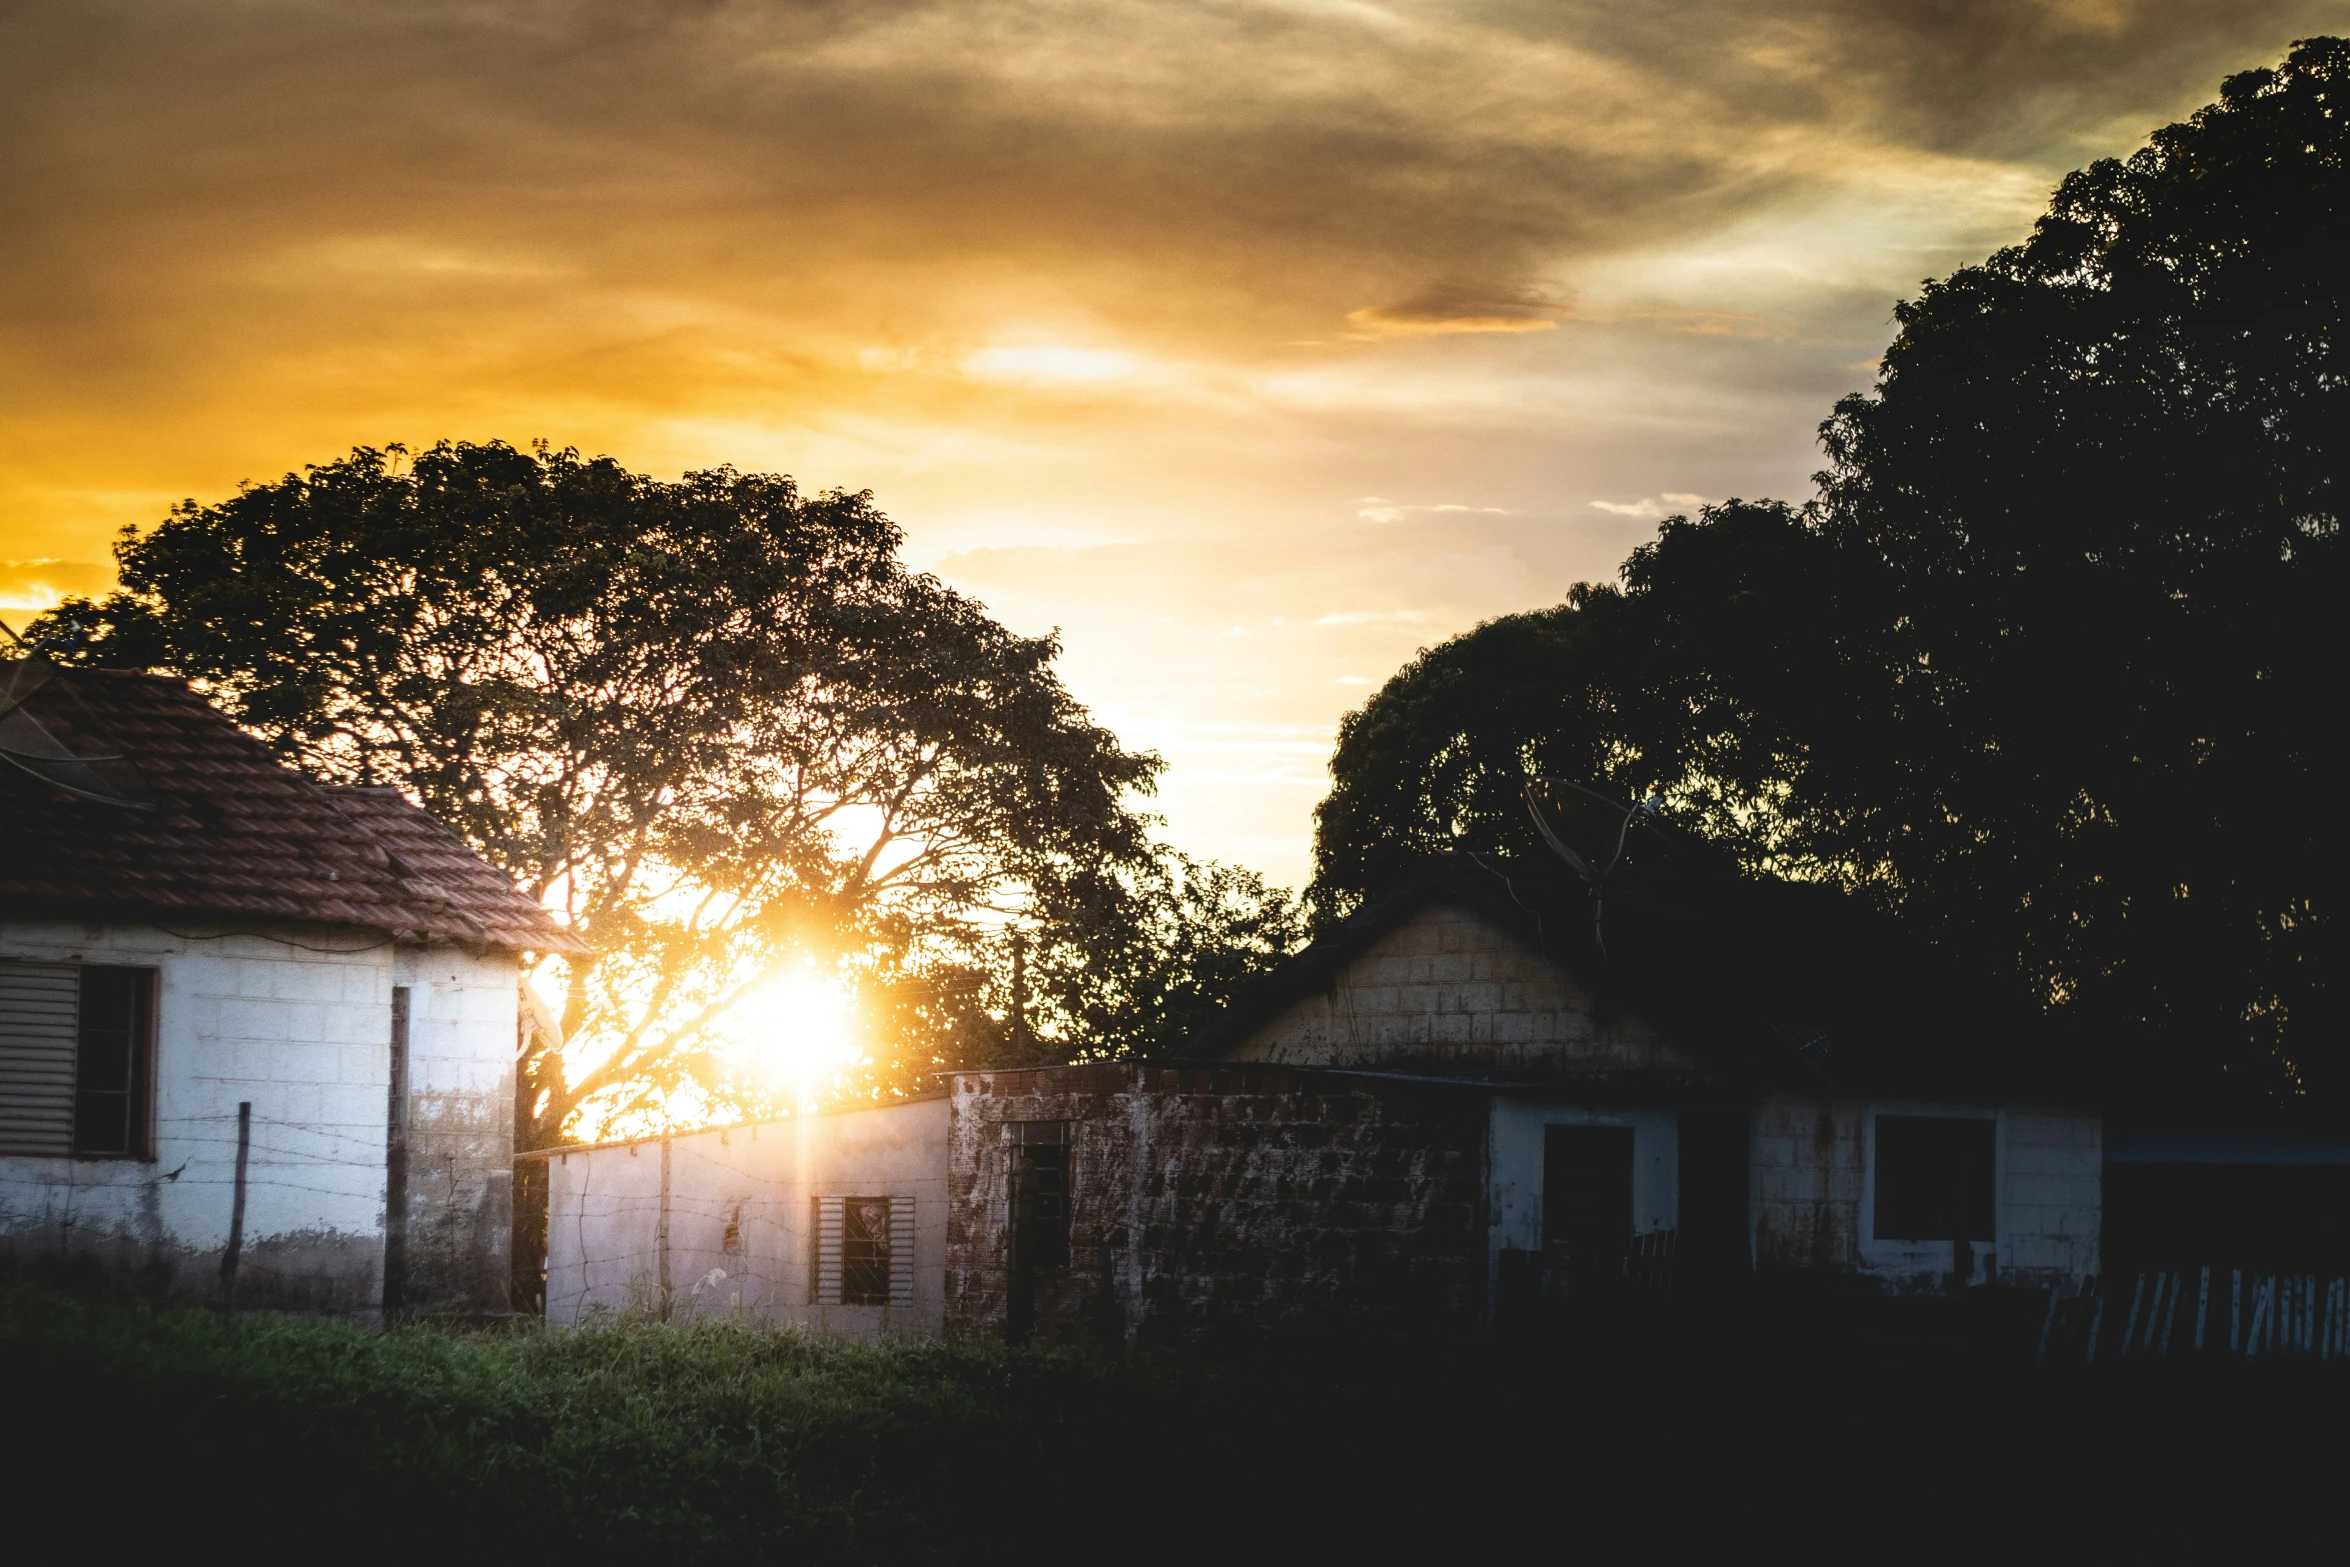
{"points": [[1514, 1197], [1809, 1164], [1448, 991], [461, 1045], [738, 1208], [298, 1023], [1227, 1203], [2051, 1197], [1815, 1199]]}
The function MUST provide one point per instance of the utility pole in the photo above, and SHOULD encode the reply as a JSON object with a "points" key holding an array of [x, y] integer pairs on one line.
{"points": [[1019, 993]]}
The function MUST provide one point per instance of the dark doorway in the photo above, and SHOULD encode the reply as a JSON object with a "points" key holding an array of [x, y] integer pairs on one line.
{"points": [[1587, 1204], [1713, 1165]]}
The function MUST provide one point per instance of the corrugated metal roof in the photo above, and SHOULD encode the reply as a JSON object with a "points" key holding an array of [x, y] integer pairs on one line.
{"points": [[175, 813]]}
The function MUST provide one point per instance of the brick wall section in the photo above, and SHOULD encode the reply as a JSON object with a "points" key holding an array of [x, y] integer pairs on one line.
{"points": [[1230, 1203], [1449, 991]]}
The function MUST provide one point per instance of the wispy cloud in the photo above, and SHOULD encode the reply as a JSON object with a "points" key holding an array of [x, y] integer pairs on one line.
{"points": [[1453, 306], [1374, 509], [30, 586], [1650, 506]]}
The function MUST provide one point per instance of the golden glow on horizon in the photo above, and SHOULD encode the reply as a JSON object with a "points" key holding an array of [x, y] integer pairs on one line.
{"points": [[1119, 310]]}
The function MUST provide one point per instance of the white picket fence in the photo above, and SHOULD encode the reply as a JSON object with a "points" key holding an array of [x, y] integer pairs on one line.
{"points": [[2204, 1311]]}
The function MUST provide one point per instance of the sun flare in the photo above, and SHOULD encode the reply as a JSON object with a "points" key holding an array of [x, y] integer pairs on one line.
{"points": [[800, 1032]]}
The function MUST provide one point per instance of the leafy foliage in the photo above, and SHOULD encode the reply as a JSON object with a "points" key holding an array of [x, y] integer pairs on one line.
{"points": [[2050, 663]]}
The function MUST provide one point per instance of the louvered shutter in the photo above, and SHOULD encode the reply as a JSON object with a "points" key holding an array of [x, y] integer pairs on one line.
{"points": [[39, 1015], [825, 1276], [901, 1251]]}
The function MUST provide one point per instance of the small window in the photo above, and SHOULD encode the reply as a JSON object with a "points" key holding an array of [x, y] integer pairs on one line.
{"points": [[863, 1252], [1040, 1194], [110, 1065], [75, 1059], [1936, 1178]]}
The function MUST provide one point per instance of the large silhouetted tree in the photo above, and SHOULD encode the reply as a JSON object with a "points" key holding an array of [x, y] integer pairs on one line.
{"points": [[2051, 665], [715, 722]]}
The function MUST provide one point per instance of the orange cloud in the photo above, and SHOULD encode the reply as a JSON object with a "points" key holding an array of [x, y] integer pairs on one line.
{"points": [[1196, 276]]}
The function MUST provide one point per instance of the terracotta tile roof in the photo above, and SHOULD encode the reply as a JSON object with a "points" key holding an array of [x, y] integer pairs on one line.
{"points": [[128, 796]]}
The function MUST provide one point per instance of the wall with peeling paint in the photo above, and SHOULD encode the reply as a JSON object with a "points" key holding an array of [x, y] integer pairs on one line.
{"points": [[718, 1223], [297, 1023]]}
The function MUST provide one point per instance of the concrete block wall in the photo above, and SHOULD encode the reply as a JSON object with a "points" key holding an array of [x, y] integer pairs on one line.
{"points": [[298, 1024], [1814, 1199], [1809, 1169], [2051, 1197], [1515, 1169], [717, 1222], [1231, 1202], [461, 1045], [1449, 991]]}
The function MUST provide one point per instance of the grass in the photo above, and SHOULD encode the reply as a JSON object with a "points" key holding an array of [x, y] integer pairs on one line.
{"points": [[703, 1442], [727, 1442]]}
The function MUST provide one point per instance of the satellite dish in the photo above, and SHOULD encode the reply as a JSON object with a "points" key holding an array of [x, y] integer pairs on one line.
{"points": [[30, 746], [1640, 813]]}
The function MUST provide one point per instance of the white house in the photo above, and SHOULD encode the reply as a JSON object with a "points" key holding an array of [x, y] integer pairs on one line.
{"points": [[1913, 1139], [257, 1035]]}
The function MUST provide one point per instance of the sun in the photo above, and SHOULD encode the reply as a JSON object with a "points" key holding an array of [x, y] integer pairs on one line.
{"points": [[800, 1029]]}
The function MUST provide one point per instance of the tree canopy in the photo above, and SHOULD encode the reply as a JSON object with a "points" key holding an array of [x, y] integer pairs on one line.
{"points": [[717, 723], [2047, 666]]}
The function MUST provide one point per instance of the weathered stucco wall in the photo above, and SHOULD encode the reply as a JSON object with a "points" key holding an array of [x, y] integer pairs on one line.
{"points": [[1224, 1203], [303, 1035], [717, 1223], [1448, 991]]}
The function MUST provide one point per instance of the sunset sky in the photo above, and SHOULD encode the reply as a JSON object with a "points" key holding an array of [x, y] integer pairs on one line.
{"points": [[1253, 344]]}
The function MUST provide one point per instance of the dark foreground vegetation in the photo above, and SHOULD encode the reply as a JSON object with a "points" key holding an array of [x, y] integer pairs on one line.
{"points": [[725, 1442]]}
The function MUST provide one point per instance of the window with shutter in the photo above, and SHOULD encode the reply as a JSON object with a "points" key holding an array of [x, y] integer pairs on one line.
{"points": [[75, 1068], [863, 1253], [39, 1007]]}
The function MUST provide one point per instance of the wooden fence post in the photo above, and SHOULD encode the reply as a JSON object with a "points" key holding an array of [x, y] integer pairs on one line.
{"points": [[236, 1209]]}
